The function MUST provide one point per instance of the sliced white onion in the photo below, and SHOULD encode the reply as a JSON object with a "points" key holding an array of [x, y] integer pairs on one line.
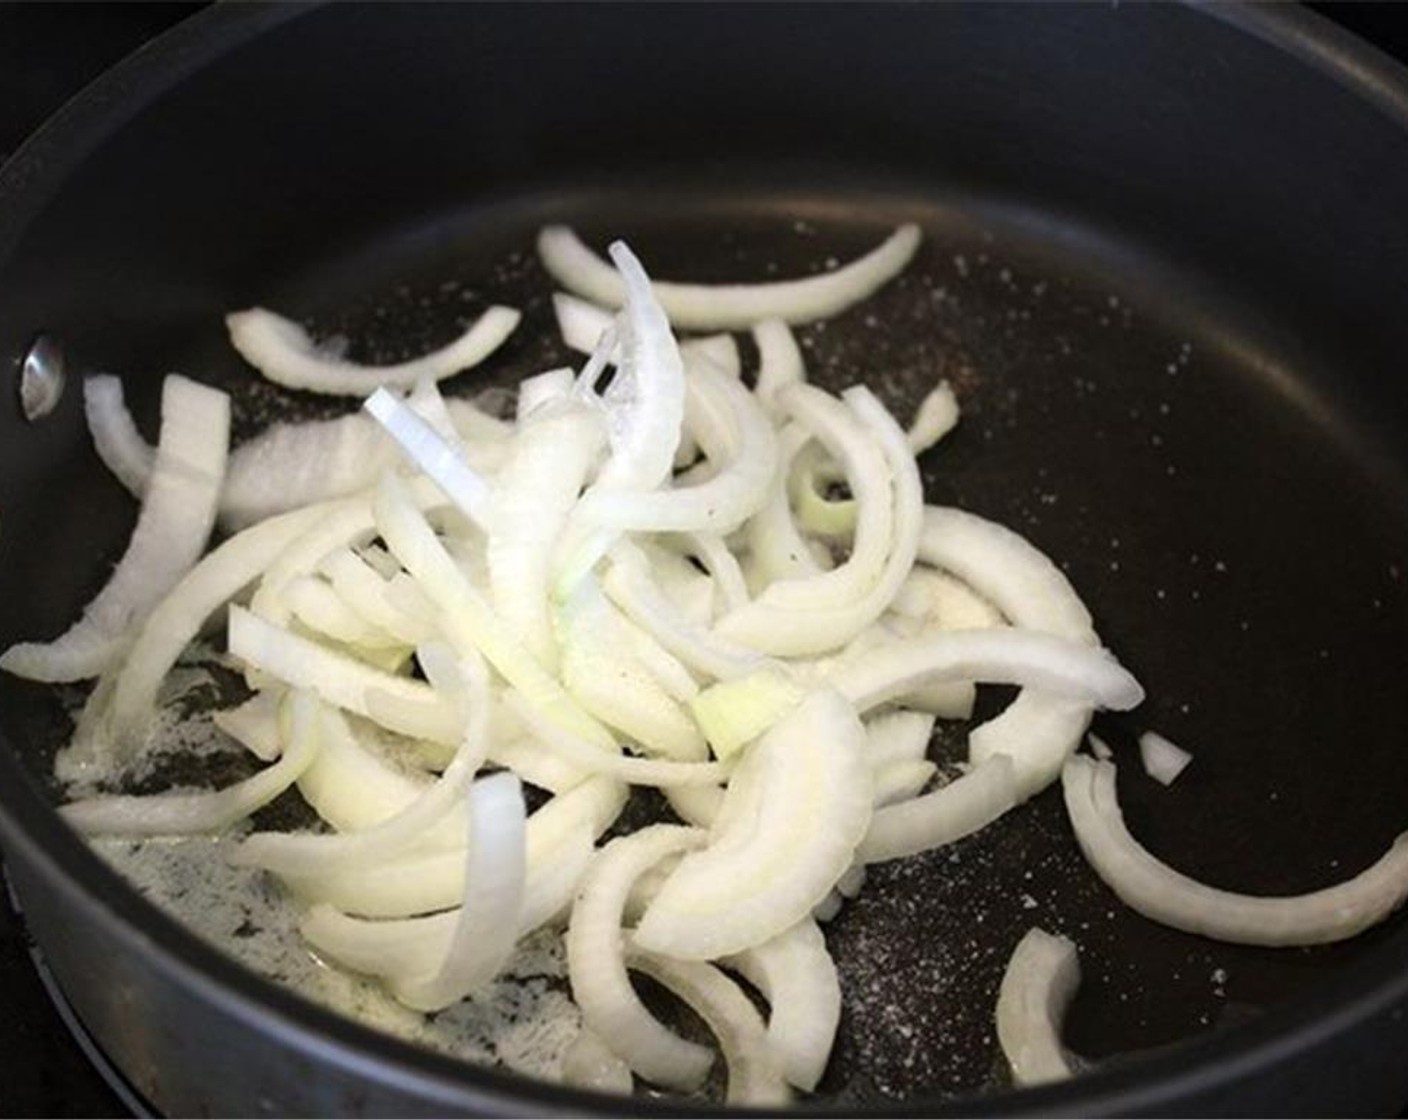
{"points": [[369, 593], [962, 807], [645, 411], [777, 550], [755, 1076], [284, 352], [169, 814], [762, 874], [731, 306], [797, 977], [178, 512], [1163, 760], [1041, 977], [779, 362], [897, 736], [1164, 895], [315, 604], [533, 496], [1006, 656], [732, 713], [309, 854], [115, 436], [601, 672], [597, 967], [439, 458], [397, 703]]}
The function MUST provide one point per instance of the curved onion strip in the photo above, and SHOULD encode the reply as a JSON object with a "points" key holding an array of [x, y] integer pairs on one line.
{"points": [[581, 323], [284, 352], [168, 814], [602, 674], [787, 621], [696, 805], [631, 587], [1164, 895], [779, 362], [711, 550], [731, 306], [776, 548], [718, 505], [559, 847], [353, 787], [1041, 977], [178, 512], [115, 436], [439, 458], [466, 617], [409, 953], [397, 703], [597, 968], [942, 601], [945, 699], [533, 496], [638, 771], [1006, 656], [369, 594], [178, 618], [936, 416], [589, 1064], [645, 411], [1038, 731], [319, 608], [536, 766], [797, 977], [489, 918], [947, 814], [765, 872], [812, 475], [754, 1069], [541, 391], [309, 854], [868, 473]]}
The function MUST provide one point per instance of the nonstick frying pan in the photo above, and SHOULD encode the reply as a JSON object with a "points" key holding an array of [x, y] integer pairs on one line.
{"points": [[1164, 266]]}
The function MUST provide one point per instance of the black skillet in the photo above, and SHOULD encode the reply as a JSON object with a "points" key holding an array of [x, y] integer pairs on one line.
{"points": [[1164, 267]]}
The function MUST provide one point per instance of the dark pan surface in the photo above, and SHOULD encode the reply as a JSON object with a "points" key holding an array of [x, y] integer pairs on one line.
{"points": [[1239, 548], [1176, 383]]}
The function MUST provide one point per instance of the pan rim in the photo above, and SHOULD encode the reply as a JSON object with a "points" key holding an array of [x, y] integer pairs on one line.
{"points": [[32, 832]]}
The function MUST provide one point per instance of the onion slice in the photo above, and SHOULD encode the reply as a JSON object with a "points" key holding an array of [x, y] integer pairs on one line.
{"points": [[178, 512], [115, 436], [285, 353], [597, 967], [1163, 760], [1164, 895], [1041, 977], [731, 306], [175, 814]]}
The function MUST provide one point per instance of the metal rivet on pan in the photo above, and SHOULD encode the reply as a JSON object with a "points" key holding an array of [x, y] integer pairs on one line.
{"points": [[41, 378]]}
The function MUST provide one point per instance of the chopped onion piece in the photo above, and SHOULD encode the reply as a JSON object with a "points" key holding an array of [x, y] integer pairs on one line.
{"points": [[254, 724], [581, 324], [936, 417], [178, 512], [168, 814], [115, 436], [731, 306], [897, 736], [1163, 761], [1042, 976], [284, 352], [1099, 748], [732, 713], [1164, 895]]}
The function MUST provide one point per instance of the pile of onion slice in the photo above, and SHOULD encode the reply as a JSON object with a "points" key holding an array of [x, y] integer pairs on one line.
{"points": [[641, 580]]}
